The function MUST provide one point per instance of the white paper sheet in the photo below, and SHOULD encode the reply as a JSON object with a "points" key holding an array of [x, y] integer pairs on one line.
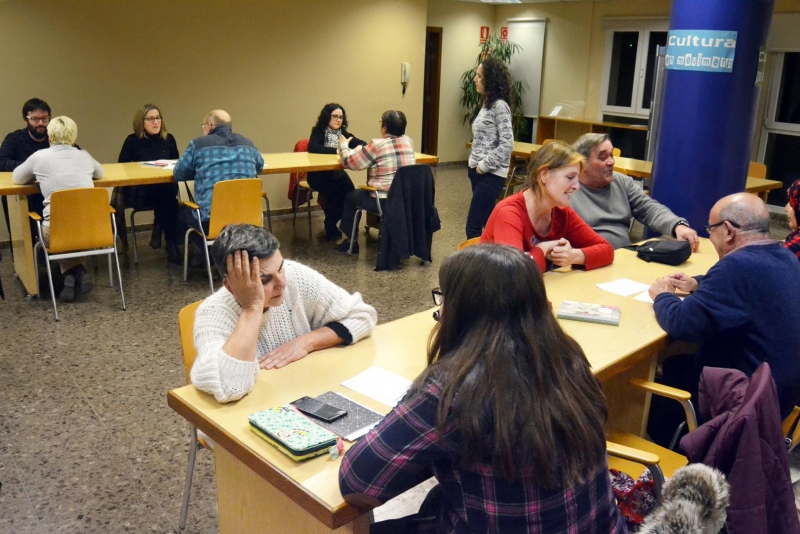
{"points": [[166, 164], [624, 287], [379, 384]]}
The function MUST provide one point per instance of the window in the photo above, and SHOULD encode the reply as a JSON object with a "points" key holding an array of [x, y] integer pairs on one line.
{"points": [[631, 46], [779, 146]]}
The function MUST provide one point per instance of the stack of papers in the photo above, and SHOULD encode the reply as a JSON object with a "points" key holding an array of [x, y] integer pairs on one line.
{"points": [[624, 287]]}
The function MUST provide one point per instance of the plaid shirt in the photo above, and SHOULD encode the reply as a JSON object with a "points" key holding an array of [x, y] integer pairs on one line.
{"points": [[220, 155], [382, 157], [389, 460]]}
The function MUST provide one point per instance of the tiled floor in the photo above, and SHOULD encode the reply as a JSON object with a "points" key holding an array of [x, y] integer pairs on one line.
{"points": [[87, 441]]}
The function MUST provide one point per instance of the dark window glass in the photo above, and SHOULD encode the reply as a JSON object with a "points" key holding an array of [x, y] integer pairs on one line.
{"points": [[788, 109], [623, 69], [656, 39], [782, 159]]}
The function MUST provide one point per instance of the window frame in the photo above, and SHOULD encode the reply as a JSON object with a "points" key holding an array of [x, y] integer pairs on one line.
{"points": [[771, 109], [644, 27]]}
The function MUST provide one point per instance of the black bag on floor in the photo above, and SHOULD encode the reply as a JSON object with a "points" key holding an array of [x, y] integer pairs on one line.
{"points": [[668, 252]]}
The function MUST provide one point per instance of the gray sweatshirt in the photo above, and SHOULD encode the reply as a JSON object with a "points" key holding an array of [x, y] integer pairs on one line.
{"points": [[609, 210], [56, 168]]}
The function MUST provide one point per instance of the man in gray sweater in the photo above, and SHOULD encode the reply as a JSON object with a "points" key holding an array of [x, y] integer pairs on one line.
{"points": [[608, 200]]}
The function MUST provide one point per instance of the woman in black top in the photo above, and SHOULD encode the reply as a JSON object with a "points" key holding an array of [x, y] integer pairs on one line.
{"points": [[150, 141], [333, 185]]}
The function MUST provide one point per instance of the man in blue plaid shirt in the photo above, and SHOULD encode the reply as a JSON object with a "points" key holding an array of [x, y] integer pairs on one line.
{"points": [[218, 155]]}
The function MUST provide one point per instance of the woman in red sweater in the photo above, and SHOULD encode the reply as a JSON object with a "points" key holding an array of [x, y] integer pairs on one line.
{"points": [[540, 222]]}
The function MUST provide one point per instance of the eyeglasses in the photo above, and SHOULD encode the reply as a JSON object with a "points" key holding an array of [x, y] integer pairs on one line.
{"points": [[438, 296], [710, 227], [337, 117], [153, 119], [39, 120]]}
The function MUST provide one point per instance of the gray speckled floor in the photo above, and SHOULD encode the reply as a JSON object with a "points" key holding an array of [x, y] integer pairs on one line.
{"points": [[87, 441]]}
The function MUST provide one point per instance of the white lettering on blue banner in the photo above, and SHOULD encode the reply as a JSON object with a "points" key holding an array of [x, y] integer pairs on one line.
{"points": [[703, 50]]}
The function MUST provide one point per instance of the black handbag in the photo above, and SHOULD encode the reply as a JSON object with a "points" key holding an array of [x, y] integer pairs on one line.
{"points": [[668, 252]]}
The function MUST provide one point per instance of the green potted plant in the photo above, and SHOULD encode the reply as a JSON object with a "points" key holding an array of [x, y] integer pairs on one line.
{"points": [[471, 100]]}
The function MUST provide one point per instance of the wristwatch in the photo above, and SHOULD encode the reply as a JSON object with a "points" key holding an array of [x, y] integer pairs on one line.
{"points": [[680, 223]]}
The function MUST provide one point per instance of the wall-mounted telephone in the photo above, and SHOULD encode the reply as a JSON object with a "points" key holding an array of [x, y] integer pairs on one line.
{"points": [[405, 74]]}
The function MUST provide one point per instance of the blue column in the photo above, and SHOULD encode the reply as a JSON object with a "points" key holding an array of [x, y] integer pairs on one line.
{"points": [[708, 119]]}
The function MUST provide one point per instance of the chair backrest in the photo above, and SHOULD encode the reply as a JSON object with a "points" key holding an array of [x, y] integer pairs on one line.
{"points": [[235, 202], [80, 219], [617, 152], [186, 328], [469, 243], [301, 145], [757, 170]]}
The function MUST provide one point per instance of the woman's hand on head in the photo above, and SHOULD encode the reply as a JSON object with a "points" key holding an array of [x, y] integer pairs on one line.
{"points": [[243, 280]]}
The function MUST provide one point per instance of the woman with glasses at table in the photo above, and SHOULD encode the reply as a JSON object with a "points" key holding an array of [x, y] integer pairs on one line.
{"points": [[332, 185], [150, 141], [507, 415], [539, 221]]}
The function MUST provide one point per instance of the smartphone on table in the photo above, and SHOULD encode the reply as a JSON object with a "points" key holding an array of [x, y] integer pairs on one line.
{"points": [[318, 409]]}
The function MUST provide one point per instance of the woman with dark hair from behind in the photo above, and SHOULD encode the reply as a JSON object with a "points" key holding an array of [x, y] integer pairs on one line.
{"points": [[492, 142], [150, 141], [507, 415], [792, 210], [332, 185]]}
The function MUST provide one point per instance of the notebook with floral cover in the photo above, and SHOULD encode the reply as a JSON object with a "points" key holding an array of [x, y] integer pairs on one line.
{"points": [[291, 432]]}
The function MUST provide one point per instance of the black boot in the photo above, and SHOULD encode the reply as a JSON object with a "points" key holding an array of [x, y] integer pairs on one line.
{"points": [[173, 254], [155, 239]]}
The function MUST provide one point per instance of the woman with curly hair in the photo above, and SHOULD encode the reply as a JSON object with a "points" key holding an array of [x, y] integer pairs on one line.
{"points": [[492, 142], [333, 185]]}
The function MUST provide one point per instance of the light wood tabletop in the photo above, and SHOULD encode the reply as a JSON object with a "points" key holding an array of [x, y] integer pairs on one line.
{"points": [[130, 174], [127, 174], [310, 488]]}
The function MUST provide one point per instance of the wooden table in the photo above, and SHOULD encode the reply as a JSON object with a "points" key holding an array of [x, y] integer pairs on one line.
{"points": [[261, 490], [127, 174]]}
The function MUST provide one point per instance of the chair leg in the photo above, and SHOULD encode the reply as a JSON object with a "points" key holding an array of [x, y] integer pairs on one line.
{"points": [[295, 206], [110, 272], [187, 485], [52, 290], [308, 210], [186, 255], [208, 265], [94, 262], [354, 231], [269, 215], [36, 266], [133, 230], [119, 275]]}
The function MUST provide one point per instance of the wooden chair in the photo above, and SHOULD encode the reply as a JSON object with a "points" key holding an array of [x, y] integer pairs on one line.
{"points": [[627, 452], [233, 202], [82, 223], [757, 170], [300, 183], [617, 153], [186, 328], [791, 429], [468, 243]]}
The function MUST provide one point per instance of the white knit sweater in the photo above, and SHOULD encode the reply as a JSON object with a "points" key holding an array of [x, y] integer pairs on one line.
{"points": [[310, 302]]}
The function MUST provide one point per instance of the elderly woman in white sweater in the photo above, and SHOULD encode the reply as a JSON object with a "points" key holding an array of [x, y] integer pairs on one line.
{"points": [[269, 313]]}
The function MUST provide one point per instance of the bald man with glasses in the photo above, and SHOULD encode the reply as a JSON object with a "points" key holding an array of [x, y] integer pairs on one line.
{"points": [[743, 312]]}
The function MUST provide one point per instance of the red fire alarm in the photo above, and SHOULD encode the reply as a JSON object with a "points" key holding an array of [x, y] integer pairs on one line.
{"points": [[504, 33], [484, 33]]}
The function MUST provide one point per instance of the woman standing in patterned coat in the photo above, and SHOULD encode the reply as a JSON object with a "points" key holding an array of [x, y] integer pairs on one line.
{"points": [[492, 142]]}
